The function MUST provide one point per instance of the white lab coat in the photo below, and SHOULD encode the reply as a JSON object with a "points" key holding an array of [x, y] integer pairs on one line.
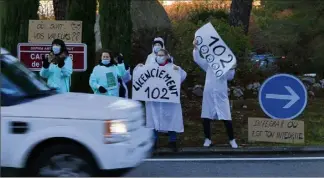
{"points": [[163, 116], [215, 103]]}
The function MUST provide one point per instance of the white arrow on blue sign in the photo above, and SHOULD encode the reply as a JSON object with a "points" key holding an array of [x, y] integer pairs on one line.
{"points": [[283, 96]]}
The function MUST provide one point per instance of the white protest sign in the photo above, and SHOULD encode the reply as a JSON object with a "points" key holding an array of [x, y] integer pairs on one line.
{"points": [[214, 50], [156, 83]]}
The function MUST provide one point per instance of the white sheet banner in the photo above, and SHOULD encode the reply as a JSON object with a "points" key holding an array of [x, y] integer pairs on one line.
{"points": [[214, 50], [156, 83]]}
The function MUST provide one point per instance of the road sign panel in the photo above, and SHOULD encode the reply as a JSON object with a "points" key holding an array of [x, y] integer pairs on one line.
{"points": [[283, 96], [31, 55]]}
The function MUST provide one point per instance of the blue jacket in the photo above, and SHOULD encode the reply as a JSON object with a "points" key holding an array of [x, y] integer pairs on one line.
{"points": [[58, 78], [107, 77]]}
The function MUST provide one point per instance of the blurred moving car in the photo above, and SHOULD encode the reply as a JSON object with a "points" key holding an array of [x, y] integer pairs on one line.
{"points": [[44, 133]]}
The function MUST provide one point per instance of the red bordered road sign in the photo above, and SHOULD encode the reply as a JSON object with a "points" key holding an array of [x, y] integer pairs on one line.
{"points": [[31, 55]]}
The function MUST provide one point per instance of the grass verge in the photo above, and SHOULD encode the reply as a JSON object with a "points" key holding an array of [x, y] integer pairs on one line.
{"points": [[313, 117]]}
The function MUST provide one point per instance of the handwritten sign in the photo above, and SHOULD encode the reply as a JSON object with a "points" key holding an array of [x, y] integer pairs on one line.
{"points": [[212, 48], [45, 31], [156, 83], [279, 131]]}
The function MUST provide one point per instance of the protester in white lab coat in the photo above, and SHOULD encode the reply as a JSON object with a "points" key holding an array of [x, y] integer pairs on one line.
{"points": [[163, 116], [158, 43], [215, 104]]}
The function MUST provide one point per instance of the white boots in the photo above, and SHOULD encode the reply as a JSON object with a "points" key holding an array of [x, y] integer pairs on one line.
{"points": [[209, 143]]}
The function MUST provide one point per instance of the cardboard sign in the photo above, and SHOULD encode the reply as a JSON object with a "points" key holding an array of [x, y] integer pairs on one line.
{"points": [[156, 83], [45, 31], [279, 131], [31, 55], [214, 50]]}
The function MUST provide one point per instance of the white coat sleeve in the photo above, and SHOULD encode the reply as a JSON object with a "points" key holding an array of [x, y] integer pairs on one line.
{"points": [[203, 64], [93, 82], [230, 74], [45, 73], [148, 59], [127, 77], [67, 69], [183, 75]]}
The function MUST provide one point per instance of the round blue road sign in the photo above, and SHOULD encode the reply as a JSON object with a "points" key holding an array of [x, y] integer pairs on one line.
{"points": [[283, 96]]}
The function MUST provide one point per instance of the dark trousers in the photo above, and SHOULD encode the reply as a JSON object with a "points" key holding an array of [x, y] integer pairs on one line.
{"points": [[172, 136], [228, 124]]}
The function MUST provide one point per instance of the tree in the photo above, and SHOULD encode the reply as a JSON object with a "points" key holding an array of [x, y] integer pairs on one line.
{"points": [[60, 9], [116, 25], [294, 29], [85, 11], [15, 22], [240, 13]]}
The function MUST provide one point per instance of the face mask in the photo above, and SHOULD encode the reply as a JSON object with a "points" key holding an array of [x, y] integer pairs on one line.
{"points": [[56, 49], [156, 48], [105, 61], [160, 60]]}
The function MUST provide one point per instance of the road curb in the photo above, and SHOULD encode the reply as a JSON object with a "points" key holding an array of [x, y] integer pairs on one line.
{"points": [[242, 150]]}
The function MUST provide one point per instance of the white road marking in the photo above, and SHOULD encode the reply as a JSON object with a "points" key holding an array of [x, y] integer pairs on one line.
{"points": [[233, 159]]}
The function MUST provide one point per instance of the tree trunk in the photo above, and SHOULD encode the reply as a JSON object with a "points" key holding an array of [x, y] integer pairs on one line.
{"points": [[85, 11], [240, 13], [116, 26], [60, 9], [15, 21]]}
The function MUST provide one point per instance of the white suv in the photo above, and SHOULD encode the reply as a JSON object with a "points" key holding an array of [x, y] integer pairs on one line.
{"points": [[44, 133]]}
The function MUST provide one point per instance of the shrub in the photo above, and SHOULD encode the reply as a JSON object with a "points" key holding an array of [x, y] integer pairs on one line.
{"points": [[185, 10], [205, 15]]}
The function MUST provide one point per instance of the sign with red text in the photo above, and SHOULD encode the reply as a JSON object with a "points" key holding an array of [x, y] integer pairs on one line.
{"points": [[31, 55]]}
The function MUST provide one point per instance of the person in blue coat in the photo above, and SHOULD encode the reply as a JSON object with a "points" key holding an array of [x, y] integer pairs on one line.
{"points": [[57, 67], [123, 90], [104, 77]]}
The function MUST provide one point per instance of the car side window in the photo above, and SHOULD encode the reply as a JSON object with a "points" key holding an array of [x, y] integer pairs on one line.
{"points": [[9, 91]]}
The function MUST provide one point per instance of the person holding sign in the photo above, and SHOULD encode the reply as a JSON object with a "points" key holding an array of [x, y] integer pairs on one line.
{"points": [[165, 116], [57, 67], [123, 90], [215, 104], [104, 77]]}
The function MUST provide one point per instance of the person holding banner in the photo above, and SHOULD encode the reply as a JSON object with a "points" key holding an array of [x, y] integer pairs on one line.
{"points": [[215, 104], [57, 67], [123, 90], [165, 116], [104, 77]]}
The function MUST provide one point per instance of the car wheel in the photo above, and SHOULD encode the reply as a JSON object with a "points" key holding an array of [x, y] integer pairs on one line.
{"points": [[68, 160]]}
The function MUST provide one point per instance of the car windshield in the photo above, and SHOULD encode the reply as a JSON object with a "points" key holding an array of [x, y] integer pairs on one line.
{"points": [[18, 81]]}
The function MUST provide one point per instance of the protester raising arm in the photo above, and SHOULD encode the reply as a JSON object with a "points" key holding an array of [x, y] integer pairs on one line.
{"points": [[66, 67], [183, 74], [201, 62]]}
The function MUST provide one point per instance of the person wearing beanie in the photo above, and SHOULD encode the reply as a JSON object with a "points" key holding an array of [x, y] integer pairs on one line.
{"points": [[57, 67], [158, 43]]}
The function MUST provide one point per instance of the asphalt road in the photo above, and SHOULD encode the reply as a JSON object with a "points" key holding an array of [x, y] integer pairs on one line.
{"points": [[232, 166]]}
